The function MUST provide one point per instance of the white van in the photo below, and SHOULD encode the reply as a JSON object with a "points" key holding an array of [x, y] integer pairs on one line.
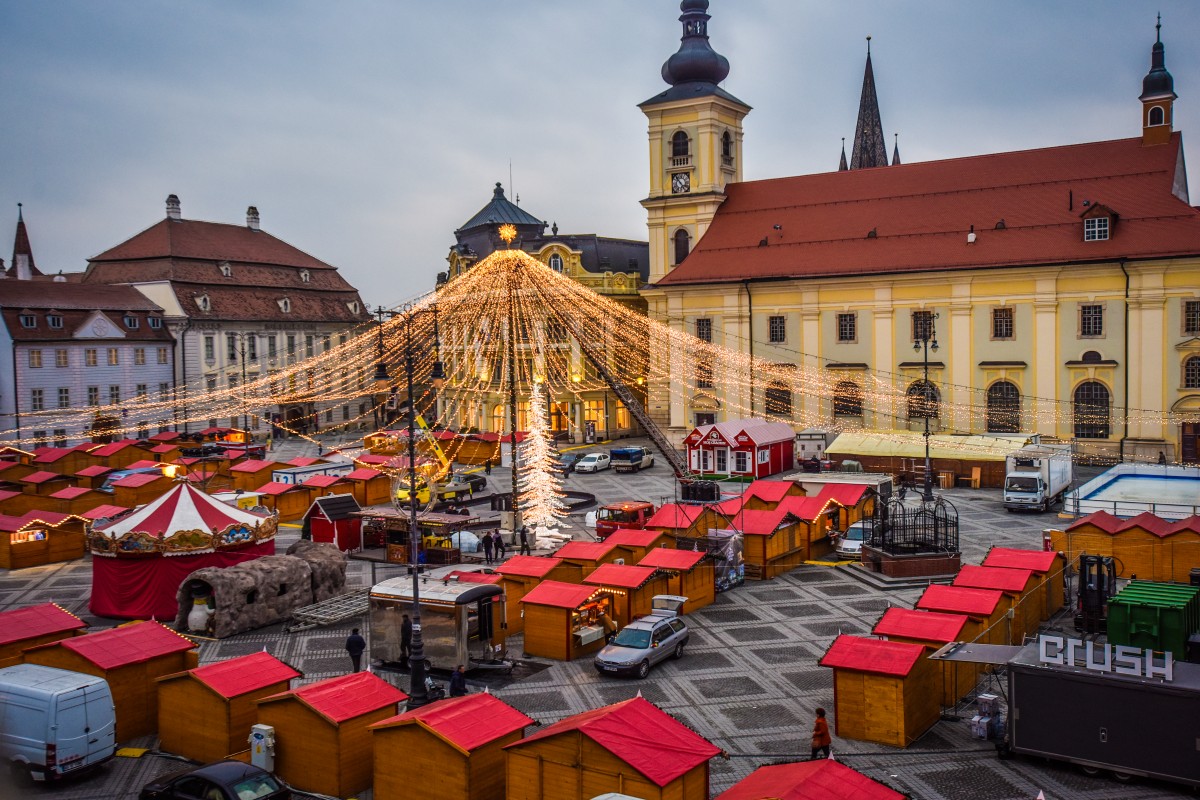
{"points": [[53, 721]]}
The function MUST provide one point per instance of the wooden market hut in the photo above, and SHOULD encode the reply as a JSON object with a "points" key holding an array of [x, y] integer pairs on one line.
{"points": [[166, 453], [854, 501], [1046, 564], [635, 543], [765, 494], [92, 477], [248, 475], [588, 555], [129, 658], [224, 695], [75, 500], [631, 589], [65, 460], [289, 500], [23, 628], [675, 518], [40, 537], [631, 747], [520, 574], [823, 779], [933, 630], [12, 503], [774, 541], [322, 731], [141, 488], [562, 620], [1020, 586], [885, 692], [327, 484], [370, 487], [689, 574], [986, 606], [334, 519], [1153, 548], [12, 471], [120, 454], [455, 745], [45, 483]]}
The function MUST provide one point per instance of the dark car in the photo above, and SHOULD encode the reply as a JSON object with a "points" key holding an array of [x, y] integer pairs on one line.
{"points": [[477, 482], [221, 780], [568, 461]]}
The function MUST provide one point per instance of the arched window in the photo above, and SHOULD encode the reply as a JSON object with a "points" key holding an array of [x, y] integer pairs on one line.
{"points": [[847, 399], [1191, 373], [779, 400], [679, 144], [683, 245], [726, 145], [923, 400], [556, 262], [1091, 410], [498, 419], [1157, 115], [1003, 408]]}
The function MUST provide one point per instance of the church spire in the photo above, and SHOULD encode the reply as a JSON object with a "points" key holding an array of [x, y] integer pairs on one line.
{"points": [[1158, 95], [22, 267], [869, 147], [896, 151], [842, 164]]}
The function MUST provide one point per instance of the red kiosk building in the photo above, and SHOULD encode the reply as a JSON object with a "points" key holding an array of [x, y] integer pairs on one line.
{"points": [[748, 448]]}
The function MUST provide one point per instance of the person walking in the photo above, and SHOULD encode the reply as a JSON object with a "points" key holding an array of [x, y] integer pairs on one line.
{"points": [[486, 541], [498, 545], [487, 467], [525, 551], [405, 639], [820, 736], [355, 645], [458, 682]]}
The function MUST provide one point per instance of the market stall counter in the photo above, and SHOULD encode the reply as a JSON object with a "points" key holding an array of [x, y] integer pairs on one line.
{"points": [[40, 537], [564, 621], [630, 588]]}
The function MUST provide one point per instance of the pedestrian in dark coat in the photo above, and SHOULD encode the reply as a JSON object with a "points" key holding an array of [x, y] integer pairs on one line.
{"points": [[498, 545], [486, 541], [458, 682], [487, 467], [406, 639], [525, 551], [355, 645]]}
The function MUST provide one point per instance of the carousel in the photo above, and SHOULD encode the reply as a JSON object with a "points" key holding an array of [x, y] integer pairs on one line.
{"points": [[139, 561]]}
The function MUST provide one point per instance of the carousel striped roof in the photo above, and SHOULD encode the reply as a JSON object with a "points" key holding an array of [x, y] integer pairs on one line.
{"points": [[184, 508]]}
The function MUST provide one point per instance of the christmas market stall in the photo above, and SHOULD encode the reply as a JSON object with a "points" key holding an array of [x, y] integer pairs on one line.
{"points": [[564, 621], [631, 747], [588, 555], [43, 483], [439, 541], [1046, 564], [140, 559], [370, 487], [630, 589], [334, 519], [93, 477], [885, 692], [823, 779], [23, 628], [985, 606], [224, 695], [455, 745], [288, 500], [65, 460], [40, 537], [1020, 586], [689, 574], [933, 630], [520, 574], [248, 475], [129, 658], [140, 488], [1148, 546], [75, 500], [675, 518], [322, 731], [635, 543]]}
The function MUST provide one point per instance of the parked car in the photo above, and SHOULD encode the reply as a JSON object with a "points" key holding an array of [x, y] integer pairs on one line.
{"points": [[593, 462], [221, 780], [850, 542], [646, 641], [568, 462]]}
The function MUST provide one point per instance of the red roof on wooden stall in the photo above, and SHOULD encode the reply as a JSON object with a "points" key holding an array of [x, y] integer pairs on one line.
{"points": [[70, 492], [94, 471], [640, 734], [237, 676], [872, 655], [632, 537], [165, 436], [587, 551], [101, 512], [768, 491], [623, 576], [465, 722], [44, 517], [1008, 580], [1154, 524], [344, 697], [112, 448], [34, 621], [846, 494], [363, 474], [52, 454], [807, 508], [145, 463], [252, 465], [823, 779], [139, 479], [5, 495], [164, 448], [304, 461], [129, 644], [675, 515], [759, 522], [933, 626], [960, 600], [41, 477], [559, 594], [1036, 560], [324, 481], [529, 566], [668, 558], [471, 576], [275, 488]]}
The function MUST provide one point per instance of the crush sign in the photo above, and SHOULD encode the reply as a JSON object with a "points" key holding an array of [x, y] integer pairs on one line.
{"points": [[1120, 659]]}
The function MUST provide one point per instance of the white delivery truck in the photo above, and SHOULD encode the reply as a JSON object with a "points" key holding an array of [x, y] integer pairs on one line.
{"points": [[1037, 476], [53, 721]]}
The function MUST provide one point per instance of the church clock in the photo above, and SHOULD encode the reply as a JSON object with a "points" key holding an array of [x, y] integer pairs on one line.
{"points": [[681, 183]]}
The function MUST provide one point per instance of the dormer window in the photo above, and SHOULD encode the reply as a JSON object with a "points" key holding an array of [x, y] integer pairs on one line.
{"points": [[226, 270], [304, 276], [28, 321], [131, 322], [285, 305], [1095, 229], [154, 322], [203, 303], [55, 321], [353, 306], [556, 263]]}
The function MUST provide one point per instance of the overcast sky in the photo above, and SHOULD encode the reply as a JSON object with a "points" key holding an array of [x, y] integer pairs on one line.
{"points": [[366, 132]]}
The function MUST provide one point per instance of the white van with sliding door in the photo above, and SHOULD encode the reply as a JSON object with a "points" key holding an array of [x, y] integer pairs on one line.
{"points": [[54, 722]]}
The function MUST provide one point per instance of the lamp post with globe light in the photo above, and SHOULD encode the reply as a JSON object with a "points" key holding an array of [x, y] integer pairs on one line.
{"points": [[924, 340]]}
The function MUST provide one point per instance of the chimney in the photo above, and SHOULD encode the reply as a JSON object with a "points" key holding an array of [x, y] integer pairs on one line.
{"points": [[173, 211], [252, 218]]}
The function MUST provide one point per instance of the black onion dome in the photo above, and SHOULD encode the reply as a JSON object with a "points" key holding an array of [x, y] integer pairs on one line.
{"points": [[695, 61], [1158, 82]]}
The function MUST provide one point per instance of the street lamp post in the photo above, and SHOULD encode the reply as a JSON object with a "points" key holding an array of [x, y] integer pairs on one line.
{"points": [[926, 340]]}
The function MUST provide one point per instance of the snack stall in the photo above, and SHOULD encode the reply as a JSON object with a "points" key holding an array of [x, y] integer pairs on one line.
{"points": [[520, 574], [439, 543], [631, 588], [564, 621]]}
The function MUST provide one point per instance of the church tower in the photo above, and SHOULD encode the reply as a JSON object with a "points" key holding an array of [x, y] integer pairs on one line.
{"points": [[870, 149], [695, 131], [1158, 95]]}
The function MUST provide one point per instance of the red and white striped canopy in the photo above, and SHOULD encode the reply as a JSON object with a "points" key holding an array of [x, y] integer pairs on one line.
{"points": [[184, 508]]}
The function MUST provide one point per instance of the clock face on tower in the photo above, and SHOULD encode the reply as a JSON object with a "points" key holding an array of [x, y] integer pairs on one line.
{"points": [[681, 182]]}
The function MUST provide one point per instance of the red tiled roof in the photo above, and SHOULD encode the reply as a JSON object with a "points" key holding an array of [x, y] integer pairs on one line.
{"points": [[103, 512], [640, 734], [632, 537], [248, 673], [41, 477], [33, 621], [960, 600], [674, 516], [70, 493], [1012, 581], [529, 566], [209, 241], [129, 644], [275, 488], [465, 722], [668, 558], [345, 697], [623, 576], [931, 625], [558, 594], [363, 474], [587, 551], [94, 471], [872, 655], [324, 481], [823, 779], [817, 225], [1036, 560], [1146, 521]]}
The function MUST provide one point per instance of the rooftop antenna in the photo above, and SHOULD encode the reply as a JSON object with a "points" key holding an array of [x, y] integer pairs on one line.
{"points": [[516, 199]]}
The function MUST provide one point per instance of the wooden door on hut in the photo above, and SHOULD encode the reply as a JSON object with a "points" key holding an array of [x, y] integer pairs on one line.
{"points": [[689, 574], [520, 574], [23, 628], [933, 630], [631, 589]]}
